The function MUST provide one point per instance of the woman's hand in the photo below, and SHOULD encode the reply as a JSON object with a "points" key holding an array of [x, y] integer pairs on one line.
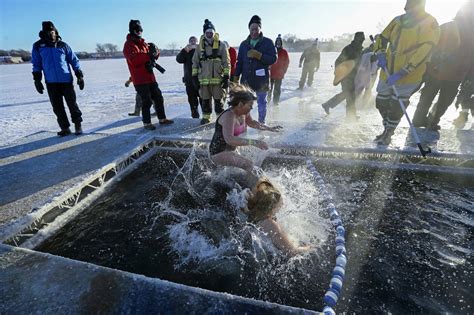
{"points": [[275, 128], [260, 144]]}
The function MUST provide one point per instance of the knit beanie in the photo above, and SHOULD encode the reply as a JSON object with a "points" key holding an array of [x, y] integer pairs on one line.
{"points": [[256, 19], [134, 25], [48, 26], [208, 26]]}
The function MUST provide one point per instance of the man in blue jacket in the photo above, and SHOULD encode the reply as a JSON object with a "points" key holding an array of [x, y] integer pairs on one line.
{"points": [[54, 57], [256, 54]]}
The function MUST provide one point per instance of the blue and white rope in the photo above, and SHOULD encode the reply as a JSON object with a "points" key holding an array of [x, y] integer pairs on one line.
{"points": [[335, 286]]}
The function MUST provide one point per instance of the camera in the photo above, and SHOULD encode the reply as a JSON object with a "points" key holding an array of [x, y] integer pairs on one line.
{"points": [[153, 52]]}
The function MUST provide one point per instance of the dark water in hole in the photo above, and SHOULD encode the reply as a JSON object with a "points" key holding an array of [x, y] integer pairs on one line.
{"points": [[409, 237]]}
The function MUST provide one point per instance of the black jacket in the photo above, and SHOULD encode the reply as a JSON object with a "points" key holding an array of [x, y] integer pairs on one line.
{"points": [[353, 51], [186, 58]]}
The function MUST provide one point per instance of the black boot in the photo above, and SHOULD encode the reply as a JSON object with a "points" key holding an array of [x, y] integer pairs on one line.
{"points": [[64, 132], [194, 113], [78, 129], [380, 136], [387, 137]]}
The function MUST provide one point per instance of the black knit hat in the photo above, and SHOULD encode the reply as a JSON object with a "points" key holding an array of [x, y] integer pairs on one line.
{"points": [[134, 25], [208, 25], [256, 19], [48, 26], [359, 36]]}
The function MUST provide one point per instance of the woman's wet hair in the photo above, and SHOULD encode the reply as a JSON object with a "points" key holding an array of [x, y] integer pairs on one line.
{"points": [[263, 200], [240, 93]]}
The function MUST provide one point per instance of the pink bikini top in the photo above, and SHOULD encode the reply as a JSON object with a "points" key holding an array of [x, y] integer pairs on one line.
{"points": [[239, 129]]}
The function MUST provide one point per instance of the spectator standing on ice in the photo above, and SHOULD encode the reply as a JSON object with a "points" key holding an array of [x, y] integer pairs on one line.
{"points": [[211, 71], [185, 57], [278, 71], [450, 63], [233, 59], [140, 60], [352, 53], [256, 54], [55, 58], [403, 48], [310, 61]]}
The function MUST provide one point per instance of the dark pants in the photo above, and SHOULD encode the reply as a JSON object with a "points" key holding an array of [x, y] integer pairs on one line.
{"points": [[307, 72], [56, 92], [348, 88], [150, 93], [276, 90], [193, 97], [447, 92], [207, 106]]}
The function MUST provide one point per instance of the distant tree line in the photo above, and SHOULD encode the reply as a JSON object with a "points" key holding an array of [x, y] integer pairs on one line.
{"points": [[24, 54], [335, 44], [290, 41]]}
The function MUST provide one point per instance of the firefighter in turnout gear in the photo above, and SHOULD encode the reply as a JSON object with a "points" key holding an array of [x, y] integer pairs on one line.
{"points": [[211, 71], [403, 48]]}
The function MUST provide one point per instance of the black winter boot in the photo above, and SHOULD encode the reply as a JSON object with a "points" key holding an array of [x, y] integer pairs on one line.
{"points": [[194, 113], [387, 137], [64, 132], [78, 129]]}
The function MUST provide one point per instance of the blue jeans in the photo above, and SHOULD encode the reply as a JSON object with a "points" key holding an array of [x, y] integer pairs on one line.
{"points": [[262, 106]]}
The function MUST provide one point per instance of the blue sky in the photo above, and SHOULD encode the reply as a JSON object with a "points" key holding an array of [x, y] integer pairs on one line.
{"points": [[83, 23]]}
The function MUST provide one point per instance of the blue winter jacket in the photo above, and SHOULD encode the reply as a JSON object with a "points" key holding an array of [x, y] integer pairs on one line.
{"points": [[255, 72], [54, 60]]}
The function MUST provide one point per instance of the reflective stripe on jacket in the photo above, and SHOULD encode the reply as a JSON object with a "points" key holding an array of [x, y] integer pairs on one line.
{"points": [[211, 63]]}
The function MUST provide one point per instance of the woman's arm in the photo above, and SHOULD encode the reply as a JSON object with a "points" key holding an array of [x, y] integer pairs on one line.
{"points": [[256, 125], [279, 237]]}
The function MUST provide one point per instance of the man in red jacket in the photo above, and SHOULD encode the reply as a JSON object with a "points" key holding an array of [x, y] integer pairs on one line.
{"points": [[277, 71], [140, 60]]}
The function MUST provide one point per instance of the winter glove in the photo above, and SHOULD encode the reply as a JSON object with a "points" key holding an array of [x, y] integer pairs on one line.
{"points": [[80, 79], [392, 79], [299, 65], [225, 82], [382, 60], [196, 83], [235, 79], [255, 54], [153, 50], [373, 58], [37, 76]]}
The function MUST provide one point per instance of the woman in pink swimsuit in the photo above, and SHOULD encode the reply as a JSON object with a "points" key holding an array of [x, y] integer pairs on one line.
{"points": [[232, 123]]}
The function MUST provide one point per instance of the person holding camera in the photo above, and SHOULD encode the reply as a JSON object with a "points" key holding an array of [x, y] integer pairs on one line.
{"points": [[185, 57], [141, 59], [54, 57], [211, 71]]}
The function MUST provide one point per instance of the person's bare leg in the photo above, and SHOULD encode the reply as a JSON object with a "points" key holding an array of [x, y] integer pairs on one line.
{"points": [[231, 158]]}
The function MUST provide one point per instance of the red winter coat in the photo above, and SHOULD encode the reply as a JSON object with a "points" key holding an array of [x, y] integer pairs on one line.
{"points": [[233, 60], [135, 51], [278, 69]]}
